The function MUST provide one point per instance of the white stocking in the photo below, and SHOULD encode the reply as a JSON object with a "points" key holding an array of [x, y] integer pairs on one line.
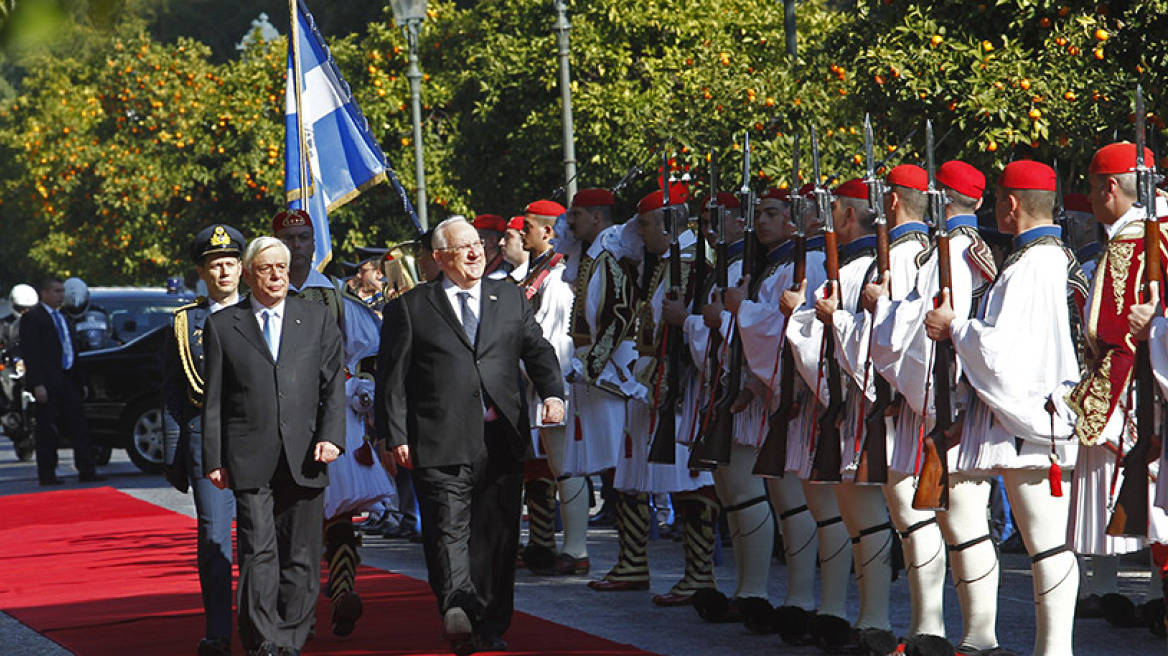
{"points": [[866, 519], [1042, 519], [573, 494], [743, 498], [799, 544], [835, 554], [973, 559], [924, 556]]}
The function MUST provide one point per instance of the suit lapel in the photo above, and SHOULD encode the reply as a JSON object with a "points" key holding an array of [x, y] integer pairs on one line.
{"points": [[245, 323], [292, 325], [488, 305], [437, 297]]}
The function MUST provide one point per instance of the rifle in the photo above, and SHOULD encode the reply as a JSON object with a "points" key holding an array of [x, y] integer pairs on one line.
{"points": [[714, 447], [828, 459], [1131, 506], [663, 449], [710, 386], [871, 461], [932, 491], [701, 266], [772, 457]]}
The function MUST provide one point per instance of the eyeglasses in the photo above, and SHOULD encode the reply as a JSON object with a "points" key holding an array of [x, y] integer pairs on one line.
{"points": [[266, 269], [468, 247]]}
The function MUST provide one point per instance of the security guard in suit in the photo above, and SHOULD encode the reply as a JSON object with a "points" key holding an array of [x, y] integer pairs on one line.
{"points": [[215, 251]]}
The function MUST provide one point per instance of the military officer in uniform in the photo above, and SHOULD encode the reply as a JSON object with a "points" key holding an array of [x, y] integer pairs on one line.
{"points": [[215, 251]]}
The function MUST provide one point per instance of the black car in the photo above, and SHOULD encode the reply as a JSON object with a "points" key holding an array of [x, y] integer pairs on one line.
{"points": [[124, 378]]}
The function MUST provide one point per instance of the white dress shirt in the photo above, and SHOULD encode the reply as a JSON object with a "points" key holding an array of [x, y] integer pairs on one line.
{"points": [[474, 300], [275, 322]]}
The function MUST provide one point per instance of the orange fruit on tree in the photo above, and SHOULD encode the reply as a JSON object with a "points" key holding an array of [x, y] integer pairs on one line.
{"points": [[1070, 96], [1101, 34], [1035, 114], [1044, 22], [936, 40], [1064, 10], [1098, 53], [1024, 83], [992, 146]]}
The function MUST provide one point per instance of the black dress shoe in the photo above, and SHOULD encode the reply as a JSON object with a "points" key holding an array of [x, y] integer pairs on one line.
{"points": [[91, 477], [214, 647], [268, 648], [490, 642], [50, 481]]}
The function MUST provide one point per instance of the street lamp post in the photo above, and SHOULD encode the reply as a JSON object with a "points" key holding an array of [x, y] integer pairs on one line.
{"points": [[409, 14], [562, 29]]}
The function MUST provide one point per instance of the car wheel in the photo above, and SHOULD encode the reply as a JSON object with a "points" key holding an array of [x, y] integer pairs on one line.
{"points": [[144, 437]]}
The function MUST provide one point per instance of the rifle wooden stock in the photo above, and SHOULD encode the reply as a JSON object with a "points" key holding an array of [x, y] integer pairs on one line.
{"points": [[873, 466], [932, 491], [663, 449], [772, 457], [1131, 505], [664, 446], [828, 459]]}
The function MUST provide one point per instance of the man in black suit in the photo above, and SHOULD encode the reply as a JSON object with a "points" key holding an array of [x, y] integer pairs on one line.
{"points": [[453, 410], [274, 399], [46, 338]]}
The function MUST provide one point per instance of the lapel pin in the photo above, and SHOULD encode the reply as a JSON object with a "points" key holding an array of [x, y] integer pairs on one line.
{"points": [[297, 321], [493, 297]]}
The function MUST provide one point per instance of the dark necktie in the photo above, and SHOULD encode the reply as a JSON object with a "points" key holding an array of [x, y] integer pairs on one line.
{"points": [[66, 343], [470, 322]]}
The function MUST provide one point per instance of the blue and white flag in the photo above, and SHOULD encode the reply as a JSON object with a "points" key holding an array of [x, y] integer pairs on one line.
{"points": [[343, 159]]}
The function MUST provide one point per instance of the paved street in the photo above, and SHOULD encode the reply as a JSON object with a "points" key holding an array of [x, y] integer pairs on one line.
{"points": [[623, 617]]}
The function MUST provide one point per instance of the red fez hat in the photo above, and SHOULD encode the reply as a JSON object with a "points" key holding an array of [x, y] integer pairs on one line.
{"points": [[806, 189], [595, 197], [1028, 174], [776, 193], [854, 188], [962, 178], [1078, 203], [492, 222], [516, 222], [1118, 158], [725, 199], [545, 208], [910, 176], [678, 194], [290, 219]]}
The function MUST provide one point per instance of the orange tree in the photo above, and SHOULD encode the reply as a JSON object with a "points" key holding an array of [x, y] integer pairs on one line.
{"points": [[119, 158], [693, 75], [1013, 78]]}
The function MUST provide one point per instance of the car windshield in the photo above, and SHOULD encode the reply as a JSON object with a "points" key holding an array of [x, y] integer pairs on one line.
{"points": [[132, 315]]}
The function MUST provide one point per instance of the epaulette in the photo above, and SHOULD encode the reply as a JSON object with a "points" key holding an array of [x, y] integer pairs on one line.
{"points": [[199, 302], [182, 336]]}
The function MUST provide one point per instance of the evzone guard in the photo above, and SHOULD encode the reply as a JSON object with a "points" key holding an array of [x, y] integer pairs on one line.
{"points": [[647, 239]]}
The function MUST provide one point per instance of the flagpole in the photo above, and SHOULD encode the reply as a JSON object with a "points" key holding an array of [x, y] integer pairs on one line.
{"points": [[294, 38]]}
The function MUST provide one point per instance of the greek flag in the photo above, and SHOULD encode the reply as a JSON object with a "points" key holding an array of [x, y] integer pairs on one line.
{"points": [[326, 137]]}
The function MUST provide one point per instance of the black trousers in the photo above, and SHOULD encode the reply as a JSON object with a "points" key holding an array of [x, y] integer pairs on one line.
{"points": [[64, 409], [278, 530], [470, 529]]}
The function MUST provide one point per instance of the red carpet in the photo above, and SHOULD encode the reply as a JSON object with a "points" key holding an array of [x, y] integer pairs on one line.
{"points": [[102, 573]]}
